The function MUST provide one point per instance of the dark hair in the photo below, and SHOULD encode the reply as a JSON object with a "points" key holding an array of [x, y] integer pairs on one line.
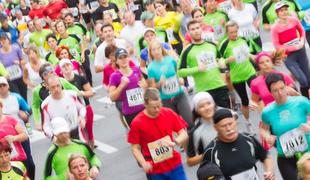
{"points": [[191, 22], [106, 25], [110, 49], [273, 78], [5, 146], [196, 10], [68, 14], [59, 21], [50, 36], [169, 6]]}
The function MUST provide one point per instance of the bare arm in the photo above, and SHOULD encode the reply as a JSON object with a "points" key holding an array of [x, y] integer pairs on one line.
{"points": [[87, 91]]}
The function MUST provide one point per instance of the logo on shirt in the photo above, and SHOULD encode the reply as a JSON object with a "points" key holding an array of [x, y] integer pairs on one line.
{"points": [[284, 115]]}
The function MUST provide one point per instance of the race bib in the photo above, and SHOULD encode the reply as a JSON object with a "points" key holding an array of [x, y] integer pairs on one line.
{"points": [[293, 141], [170, 35], [208, 36], [293, 42], [135, 97], [241, 53], [225, 6], [94, 5], [246, 175], [133, 7], [171, 86], [307, 17], [74, 11], [159, 152], [249, 32], [207, 58], [73, 52], [219, 32], [14, 71]]}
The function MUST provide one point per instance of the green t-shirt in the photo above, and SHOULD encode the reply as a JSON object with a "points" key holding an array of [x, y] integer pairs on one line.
{"points": [[269, 15], [17, 171], [57, 159], [38, 38], [51, 58], [73, 42], [203, 53], [216, 20], [241, 69], [3, 71], [79, 30]]}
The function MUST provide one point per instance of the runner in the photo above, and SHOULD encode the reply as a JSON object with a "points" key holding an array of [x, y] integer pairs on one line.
{"points": [[236, 153], [152, 140], [203, 132], [40, 92], [56, 165], [162, 75], [15, 106], [52, 10], [63, 52], [51, 55], [108, 19], [10, 169], [289, 137], [127, 85], [288, 33], [86, 91], [200, 60], [65, 104], [78, 167], [236, 52], [106, 7], [305, 6], [11, 31]]}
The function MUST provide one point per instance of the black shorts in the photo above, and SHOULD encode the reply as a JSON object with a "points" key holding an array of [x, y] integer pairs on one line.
{"points": [[220, 96]]}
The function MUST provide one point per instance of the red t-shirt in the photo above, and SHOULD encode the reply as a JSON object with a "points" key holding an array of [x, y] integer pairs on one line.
{"points": [[144, 130], [33, 13], [108, 70], [52, 10], [7, 127]]}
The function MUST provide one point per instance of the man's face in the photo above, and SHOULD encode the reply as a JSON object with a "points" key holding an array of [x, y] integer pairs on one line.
{"points": [[211, 5], [4, 89], [232, 32], [79, 168], [195, 32], [55, 88], [227, 129], [278, 91], [108, 33], [153, 107], [69, 20], [5, 158], [60, 27], [38, 25], [67, 68], [63, 137], [129, 18]]}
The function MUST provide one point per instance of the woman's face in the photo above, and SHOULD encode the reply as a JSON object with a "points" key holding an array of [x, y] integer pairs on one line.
{"points": [[122, 61], [283, 13], [160, 9], [67, 68], [64, 54], [33, 55], [79, 168], [5, 158], [60, 27], [156, 51], [4, 41], [265, 64], [206, 109], [198, 16], [52, 43]]}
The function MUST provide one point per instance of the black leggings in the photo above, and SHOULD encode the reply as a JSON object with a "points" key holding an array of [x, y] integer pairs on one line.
{"points": [[288, 168], [241, 90], [29, 161], [86, 67]]}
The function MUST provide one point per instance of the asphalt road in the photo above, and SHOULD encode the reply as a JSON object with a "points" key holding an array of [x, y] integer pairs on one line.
{"points": [[113, 149]]}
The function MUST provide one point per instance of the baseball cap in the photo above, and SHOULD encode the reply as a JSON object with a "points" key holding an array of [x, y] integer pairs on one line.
{"points": [[59, 125], [119, 52], [279, 5], [221, 114], [3, 80], [146, 15], [210, 171], [64, 61], [147, 30]]}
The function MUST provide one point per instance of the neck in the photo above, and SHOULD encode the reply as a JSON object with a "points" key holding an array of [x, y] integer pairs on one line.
{"points": [[281, 101], [6, 47], [239, 6], [110, 41], [62, 144], [69, 76], [3, 96], [209, 11], [5, 168], [226, 140], [125, 70], [148, 115], [197, 42], [64, 35], [58, 97], [283, 20]]}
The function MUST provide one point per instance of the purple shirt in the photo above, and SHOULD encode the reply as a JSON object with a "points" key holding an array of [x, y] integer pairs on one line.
{"points": [[7, 59], [132, 95]]}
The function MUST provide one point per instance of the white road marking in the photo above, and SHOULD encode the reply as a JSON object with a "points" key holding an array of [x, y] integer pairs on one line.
{"points": [[98, 117], [105, 100], [97, 88], [36, 136], [105, 147]]}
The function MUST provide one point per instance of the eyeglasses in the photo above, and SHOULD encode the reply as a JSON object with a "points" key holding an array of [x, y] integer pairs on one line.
{"points": [[47, 70]]}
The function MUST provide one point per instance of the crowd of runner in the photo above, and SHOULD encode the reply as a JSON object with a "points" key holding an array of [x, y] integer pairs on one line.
{"points": [[178, 71]]}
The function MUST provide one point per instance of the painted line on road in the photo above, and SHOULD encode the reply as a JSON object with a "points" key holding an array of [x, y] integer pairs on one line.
{"points": [[97, 88], [105, 147], [36, 136], [98, 117], [105, 100]]}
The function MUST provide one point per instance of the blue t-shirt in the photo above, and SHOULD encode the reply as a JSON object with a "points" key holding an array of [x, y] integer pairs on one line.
{"points": [[144, 55], [305, 6], [286, 117], [167, 68]]}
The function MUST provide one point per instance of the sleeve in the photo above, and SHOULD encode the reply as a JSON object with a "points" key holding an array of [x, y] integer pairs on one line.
{"points": [[254, 88], [83, 80], [46, 120], [190, 151], [12, 120], [178, 122], [183, 70], [36, 105], [207, 156], [265, 118], [81, 108], [306, 104], [144, 54], [114, 80], [260, 152], [300, 29], [23, 105], [68, 86], [49, 173], [19, 53], [96, 14], [99, 57], [3, 71], [264, 15], [133, 134], [166, 46], [92, 158]]}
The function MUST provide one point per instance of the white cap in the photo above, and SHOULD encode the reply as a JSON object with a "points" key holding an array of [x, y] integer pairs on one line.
{"points": [[201, 96], [279, 5], [3, 80], [64, 61], [147, 30], [59, 125]]}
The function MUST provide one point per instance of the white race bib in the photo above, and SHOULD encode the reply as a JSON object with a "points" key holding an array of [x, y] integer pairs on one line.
{"points": [[219, 32], [14, 71], [94, 4], [133, 7], [241, 53], [135, 97], [208, 36], [170, 35], [171, 86], [225, 6], [207, 58], [307, 17], [73, 52], [293, 141], [248, 32], [246, 175], [158, 152], [293, 42]]}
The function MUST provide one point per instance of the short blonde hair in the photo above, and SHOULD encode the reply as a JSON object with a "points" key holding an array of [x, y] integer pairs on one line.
{"points": [[301, 164], [74, 157], [154, 43]]}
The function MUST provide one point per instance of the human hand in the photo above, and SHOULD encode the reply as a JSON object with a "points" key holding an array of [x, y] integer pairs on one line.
{"points": [[94, 172]]}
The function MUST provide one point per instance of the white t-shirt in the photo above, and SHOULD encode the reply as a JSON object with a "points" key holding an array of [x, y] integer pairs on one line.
{"points": [[132, 33], [100, 59]]}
